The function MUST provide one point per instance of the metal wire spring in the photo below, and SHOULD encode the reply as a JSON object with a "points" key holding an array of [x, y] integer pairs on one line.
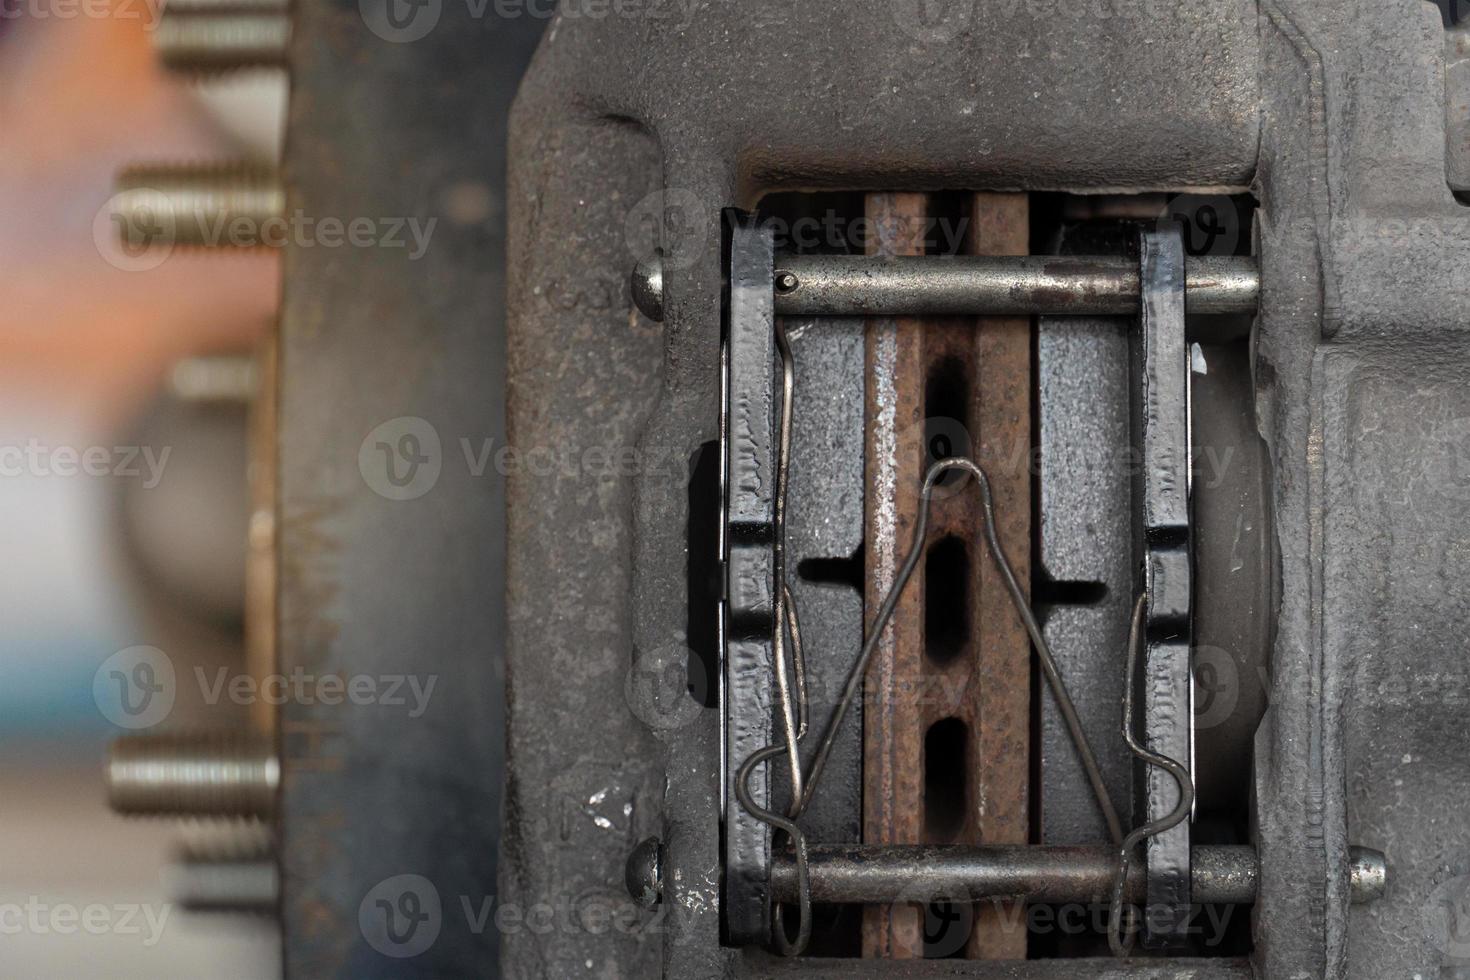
{"points": [[794, 714], [1181, 776]]}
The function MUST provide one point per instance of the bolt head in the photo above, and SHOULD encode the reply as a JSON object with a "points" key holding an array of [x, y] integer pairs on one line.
{"points": [[644, 873], [1368, 874], [648, 287]]}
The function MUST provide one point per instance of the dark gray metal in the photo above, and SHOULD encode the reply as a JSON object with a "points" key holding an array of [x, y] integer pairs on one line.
{"points": [[1163, 499], [1363, 417], [1086, 551], [970, 285], [598, 152], [824, 541], [1235, 577], [749, 609], [377, 587], [883, 875], [1332, 113], [1457, 106], [1086, 547]]}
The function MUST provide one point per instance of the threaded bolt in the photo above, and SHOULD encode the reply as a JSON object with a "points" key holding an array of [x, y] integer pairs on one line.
{"points": [[218, 775], [204, 883], [213, 379], [200, 8], [209, 38], [227, 205]]}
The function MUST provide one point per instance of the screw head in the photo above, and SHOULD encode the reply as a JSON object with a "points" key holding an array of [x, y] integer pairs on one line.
{"points": [[1368, 874], [644, 873], [786, 282], [648, 287]]}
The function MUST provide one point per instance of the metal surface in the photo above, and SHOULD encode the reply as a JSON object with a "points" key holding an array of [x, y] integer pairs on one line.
{"points": [[1163, 488], [824, 540], [993, 664], [1457, 106], [962, 874], [596, 147], [1367, 875], [750, 603], [1085, 553], [1364, 421], [219, 205], [1332, 114], [894, 459], [748, 345], [204, 775], [1157, 918], [262, 557], [1235, 578], [884, 616], [409, 589], [973, 285]]}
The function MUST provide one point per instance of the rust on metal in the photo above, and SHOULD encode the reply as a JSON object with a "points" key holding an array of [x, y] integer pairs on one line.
{"points": [[999, 695], [892, 733], [965, 384]]}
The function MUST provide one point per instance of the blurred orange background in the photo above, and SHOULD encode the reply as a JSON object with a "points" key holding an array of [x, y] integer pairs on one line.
{"points": [[85, 348]]}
